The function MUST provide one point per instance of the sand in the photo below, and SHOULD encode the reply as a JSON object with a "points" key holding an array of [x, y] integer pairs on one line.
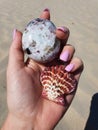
{"points": [[81, 17]]}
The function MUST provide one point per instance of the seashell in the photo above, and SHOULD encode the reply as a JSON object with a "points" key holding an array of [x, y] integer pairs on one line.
{"points": [[57, 82], [39, 40]]}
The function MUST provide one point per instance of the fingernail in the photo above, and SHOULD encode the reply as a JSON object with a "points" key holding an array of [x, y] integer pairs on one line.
{"points": [[63, 29], [69, 67], [64, 56], [14, 33], [46, 10]]}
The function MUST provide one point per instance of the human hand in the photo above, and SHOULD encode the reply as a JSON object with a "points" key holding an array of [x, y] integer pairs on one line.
{"points": [[24, 90]]}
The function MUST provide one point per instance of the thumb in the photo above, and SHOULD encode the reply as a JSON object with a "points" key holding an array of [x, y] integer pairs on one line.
{"points": [[16, 55]]}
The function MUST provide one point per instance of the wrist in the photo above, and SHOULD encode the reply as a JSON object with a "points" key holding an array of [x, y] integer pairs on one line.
{"points": [[14, 123]]}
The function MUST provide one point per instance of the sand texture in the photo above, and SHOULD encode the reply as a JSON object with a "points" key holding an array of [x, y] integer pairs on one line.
{"points": [[81, 17]]}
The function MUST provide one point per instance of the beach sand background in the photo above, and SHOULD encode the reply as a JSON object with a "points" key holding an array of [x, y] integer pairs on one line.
{"points": [[81, 17]]}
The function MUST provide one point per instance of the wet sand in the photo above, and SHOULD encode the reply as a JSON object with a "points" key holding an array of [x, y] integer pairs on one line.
{"points": [[81, 18]]}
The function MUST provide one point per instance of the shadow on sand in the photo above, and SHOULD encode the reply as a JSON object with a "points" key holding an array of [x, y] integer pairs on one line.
{"points": [[92, 122]]}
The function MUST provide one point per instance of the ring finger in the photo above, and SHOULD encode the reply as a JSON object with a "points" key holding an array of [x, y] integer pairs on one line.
{"points": [[67, 53]]}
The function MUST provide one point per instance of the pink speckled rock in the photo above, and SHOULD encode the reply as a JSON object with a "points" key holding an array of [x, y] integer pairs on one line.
{"points": [[39, 40]]}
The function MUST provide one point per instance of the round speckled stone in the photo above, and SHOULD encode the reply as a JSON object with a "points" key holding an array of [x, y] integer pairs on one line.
{"points": [[39, 40]]}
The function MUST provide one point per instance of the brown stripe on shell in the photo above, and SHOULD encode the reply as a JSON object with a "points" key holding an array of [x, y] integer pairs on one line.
{"points": [[56, 81]]}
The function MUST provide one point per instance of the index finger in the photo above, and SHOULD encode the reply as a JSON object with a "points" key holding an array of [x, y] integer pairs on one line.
{"points": [[45, 14]]}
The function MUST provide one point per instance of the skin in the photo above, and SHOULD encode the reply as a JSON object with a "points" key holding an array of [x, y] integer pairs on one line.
{"points": [[27, 109]]}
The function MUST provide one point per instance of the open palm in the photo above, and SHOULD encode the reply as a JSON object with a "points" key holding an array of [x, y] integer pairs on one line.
{"points": [[24, 88]]}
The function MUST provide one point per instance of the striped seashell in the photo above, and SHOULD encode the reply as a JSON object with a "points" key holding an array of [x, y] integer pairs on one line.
{"points": [[57, 82]]}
